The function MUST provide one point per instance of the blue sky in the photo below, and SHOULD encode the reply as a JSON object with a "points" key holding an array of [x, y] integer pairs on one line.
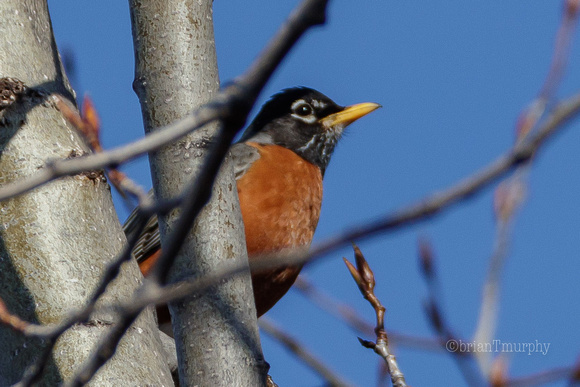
{"points": [[452, 80]]}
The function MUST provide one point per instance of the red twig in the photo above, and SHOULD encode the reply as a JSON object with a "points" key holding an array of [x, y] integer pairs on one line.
{"points": [[89, 125], [11, 320]]}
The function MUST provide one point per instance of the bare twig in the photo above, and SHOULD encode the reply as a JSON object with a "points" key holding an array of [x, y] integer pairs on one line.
{"points": [[561, 53], [498, 371], [531, 115], [508, 196], [365, 279], [52, 332], [349, 315], [105, 350], [463, 357], [14, 322], [297, 348], [89, 125], [334, 307], [196, 196]]}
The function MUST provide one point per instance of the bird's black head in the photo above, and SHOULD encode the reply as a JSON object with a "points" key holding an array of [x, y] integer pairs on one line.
{"points": [[304, 121]]}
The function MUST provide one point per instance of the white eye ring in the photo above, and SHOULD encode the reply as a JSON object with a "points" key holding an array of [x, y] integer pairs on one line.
{"points": [[303, 111]]}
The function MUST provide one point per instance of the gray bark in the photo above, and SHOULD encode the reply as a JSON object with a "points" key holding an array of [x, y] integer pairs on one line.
{"points": [[56, 240], [216, 332]]}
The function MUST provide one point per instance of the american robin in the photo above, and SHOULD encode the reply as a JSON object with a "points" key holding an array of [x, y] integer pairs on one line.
{"points": [[279, 164]]}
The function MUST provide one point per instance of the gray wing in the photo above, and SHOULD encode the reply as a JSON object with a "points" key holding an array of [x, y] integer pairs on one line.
{"points": [[243, 156]]}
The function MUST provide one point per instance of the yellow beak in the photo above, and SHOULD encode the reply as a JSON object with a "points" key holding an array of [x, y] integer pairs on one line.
{"points": [[348, 115]]}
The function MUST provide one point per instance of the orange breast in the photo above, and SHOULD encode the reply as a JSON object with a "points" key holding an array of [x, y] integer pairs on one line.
{"points": [[280, 197]]}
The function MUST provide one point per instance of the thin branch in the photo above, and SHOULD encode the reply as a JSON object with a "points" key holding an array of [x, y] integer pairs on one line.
{"points": [[562, 45], [52, 332], [196, 196], [509, 194], [300, 350], [531, 115], [34, 372], [462, 356], [12, 321], [89, 125], [365, 279], [105, 350], [507, 198], [349, 315]]}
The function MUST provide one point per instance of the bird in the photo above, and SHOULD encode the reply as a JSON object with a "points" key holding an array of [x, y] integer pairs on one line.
{"points": [[279, 164]]}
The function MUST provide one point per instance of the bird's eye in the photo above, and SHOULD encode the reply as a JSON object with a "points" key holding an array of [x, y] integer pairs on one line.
{"points": [[303, 110]]}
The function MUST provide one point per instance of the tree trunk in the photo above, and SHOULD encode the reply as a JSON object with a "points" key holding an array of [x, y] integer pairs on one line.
{"points": [[216, 332], [56, 240]]}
